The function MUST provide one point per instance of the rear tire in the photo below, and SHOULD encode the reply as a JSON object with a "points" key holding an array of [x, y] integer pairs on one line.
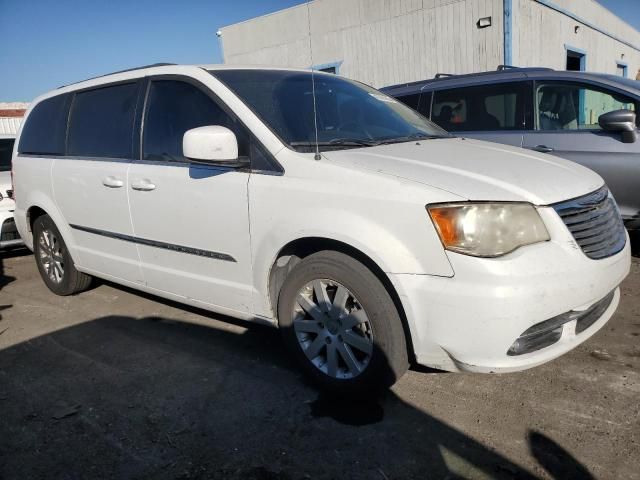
{"points": [[54, 261], [341, 325]]}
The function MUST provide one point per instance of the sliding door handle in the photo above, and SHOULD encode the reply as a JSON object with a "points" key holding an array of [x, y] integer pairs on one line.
{"points": [[542, 148], [112, 182], [143, 185]]}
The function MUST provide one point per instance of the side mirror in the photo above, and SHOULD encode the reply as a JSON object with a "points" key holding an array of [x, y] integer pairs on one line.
{"points": [[213, 144], [623, 121]]}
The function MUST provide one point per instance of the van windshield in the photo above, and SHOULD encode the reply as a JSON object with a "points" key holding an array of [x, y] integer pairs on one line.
{"points": [[349, 114]]}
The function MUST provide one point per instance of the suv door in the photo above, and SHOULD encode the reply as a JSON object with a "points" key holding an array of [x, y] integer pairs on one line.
{"points": [[89, 182], [495, 112], [191, 220], [567, 126]]}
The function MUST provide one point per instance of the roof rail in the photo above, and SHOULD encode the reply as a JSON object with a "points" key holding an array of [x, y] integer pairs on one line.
{"points": [[121, 71], [502, 68], [442, 75]]}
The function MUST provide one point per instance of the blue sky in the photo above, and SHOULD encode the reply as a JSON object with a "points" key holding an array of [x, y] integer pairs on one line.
{"points": [[48, 43]]}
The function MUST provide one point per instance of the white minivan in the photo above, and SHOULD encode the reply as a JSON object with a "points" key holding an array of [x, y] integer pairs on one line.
{"points": [[317, 204]]}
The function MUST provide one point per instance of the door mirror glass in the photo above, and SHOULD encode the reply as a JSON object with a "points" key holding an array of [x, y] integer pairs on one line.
{"points": [[623, 121], [211, 144]]}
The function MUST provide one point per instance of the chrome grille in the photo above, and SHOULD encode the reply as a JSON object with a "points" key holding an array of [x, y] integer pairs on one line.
{"points": [[595, 223]]}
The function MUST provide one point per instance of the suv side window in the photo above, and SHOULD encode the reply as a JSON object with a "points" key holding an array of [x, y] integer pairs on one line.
{"points": [[101, 122], [572, 106], [45, 128], [481, 108], [418, 101], [173, 107]]}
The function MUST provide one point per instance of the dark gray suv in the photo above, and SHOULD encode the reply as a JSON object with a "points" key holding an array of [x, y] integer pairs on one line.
{"points": [[586, 117]]}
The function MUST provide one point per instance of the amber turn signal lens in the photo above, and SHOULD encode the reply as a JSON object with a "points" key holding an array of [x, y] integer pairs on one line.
{"points": [[445, 221]]}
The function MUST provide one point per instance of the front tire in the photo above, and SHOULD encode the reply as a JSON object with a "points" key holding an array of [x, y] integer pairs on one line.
{"points": [[341, 324], [54, 261]]}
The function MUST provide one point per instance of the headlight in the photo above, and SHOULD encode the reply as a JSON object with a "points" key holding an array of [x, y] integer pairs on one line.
{"points": [[487, 229]]}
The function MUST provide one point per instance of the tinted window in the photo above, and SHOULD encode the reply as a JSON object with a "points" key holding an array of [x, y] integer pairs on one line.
{"points": [[101, 123], [484, 108], [347, 114], [6, 148], [45, 128], [418, 101], [410, 100], [175, 107], [567, 106]]}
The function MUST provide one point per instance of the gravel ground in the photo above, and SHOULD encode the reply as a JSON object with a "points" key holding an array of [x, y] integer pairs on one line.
{"points": [[116, 384]]}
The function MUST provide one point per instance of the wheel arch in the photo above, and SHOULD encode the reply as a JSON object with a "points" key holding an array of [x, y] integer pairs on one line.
{"points": [[294, 251], [42, 206], [33, 213]]}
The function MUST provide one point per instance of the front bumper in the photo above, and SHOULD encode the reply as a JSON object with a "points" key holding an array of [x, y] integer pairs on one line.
{"points": [[470, 321], [9, 236]]}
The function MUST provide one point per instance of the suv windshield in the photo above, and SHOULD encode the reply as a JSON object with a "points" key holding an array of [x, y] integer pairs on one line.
{"points": [[6, 148], [349, 114]]}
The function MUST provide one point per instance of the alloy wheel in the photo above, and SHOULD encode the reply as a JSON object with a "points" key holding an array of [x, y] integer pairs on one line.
{"points": [[51, 257], [333, 329]]}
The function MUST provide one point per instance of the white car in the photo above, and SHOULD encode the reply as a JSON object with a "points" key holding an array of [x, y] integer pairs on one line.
{"points": [[8, 234], [392, 242]]}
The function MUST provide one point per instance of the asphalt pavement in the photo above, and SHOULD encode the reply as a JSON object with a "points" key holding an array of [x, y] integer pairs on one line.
{"points": [[113, 383]]}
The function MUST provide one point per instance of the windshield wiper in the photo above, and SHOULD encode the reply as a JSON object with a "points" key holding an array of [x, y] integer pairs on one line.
{"points": [[338, 142], [411, 137]]}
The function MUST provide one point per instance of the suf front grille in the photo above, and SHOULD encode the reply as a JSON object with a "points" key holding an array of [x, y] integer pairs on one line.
{"points": [[595, 223]]}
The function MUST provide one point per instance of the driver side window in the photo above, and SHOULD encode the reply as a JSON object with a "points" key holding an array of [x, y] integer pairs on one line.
{"points": [[175, 107], [566, 106]]}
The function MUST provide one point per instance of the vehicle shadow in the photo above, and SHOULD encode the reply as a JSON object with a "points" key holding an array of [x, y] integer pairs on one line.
{"points": [[6, 280], [634, 236], [121, 397]]}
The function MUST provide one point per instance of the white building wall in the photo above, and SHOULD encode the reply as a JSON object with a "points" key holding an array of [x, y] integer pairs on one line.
{"points": [[541, 33], [380, 42], [385, 42], [9, 125]]}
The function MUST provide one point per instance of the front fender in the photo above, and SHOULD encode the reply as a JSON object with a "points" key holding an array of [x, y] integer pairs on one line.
{"points": [[405, 251]]}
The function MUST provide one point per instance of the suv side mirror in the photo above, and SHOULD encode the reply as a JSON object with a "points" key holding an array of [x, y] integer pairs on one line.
{"points": [[623, 121], [213, 144]]}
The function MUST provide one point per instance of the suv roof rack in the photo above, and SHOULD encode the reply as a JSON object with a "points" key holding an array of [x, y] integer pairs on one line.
{"points": [[120, 71], [502, 69]]}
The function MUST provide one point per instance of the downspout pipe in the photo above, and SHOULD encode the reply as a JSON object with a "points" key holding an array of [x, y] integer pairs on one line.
{"points": [[508, 31]]}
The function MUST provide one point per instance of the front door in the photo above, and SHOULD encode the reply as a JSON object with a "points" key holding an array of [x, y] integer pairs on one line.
{"points": [[191, 221], [567, 126], [89, 183]]}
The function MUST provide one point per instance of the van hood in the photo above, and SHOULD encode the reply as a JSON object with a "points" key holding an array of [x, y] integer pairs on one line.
{"points": [[476, 170]]}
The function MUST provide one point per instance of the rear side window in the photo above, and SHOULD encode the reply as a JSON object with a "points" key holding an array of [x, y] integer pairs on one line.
{"points": [[175, 107], [101, 122], [45, 128], [481, 108], [6, 148]]}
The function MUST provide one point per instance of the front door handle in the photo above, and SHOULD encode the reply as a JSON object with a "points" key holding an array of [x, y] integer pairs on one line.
{"points": [[143, 185], [112, 182], [542, 148]]}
